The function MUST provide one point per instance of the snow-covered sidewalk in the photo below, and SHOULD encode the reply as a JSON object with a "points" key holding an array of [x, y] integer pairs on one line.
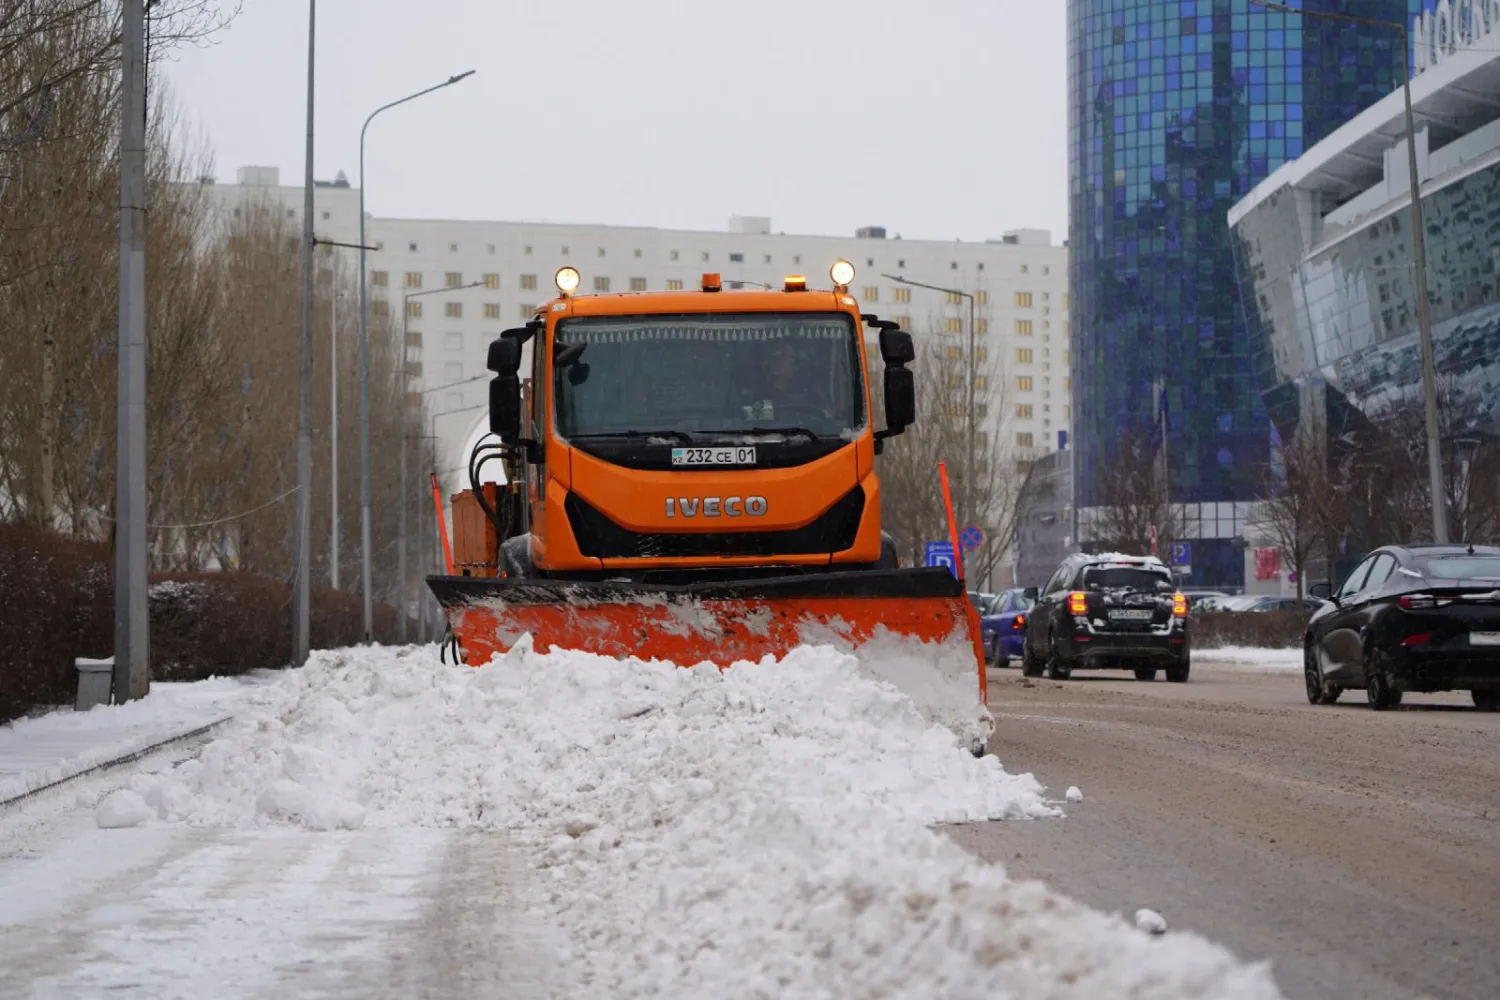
{"points": [[657, 832], [44, 750], [1253, 658]]}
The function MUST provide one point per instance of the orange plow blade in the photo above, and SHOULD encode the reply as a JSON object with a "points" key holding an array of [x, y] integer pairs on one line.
{"points": [[723, 622]]}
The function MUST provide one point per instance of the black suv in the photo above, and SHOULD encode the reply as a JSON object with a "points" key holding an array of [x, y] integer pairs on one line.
{"points": [[1108, 612]]}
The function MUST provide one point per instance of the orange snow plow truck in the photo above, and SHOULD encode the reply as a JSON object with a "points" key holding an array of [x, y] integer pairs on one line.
{"points": [[690, 475]]}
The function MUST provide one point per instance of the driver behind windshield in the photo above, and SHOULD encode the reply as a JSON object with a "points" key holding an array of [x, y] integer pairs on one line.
{"points": [[785, 384]]}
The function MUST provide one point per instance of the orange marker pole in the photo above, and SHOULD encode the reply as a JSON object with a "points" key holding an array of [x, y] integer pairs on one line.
{"points": [[437, 503], [969, 609]]}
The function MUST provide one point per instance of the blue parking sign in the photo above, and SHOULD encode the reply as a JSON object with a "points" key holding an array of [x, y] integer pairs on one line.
{"points": [[941, 554], [1182, 554]]}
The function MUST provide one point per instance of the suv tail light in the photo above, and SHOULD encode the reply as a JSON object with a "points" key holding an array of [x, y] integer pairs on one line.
{"points": [[1420, 639], [1179, 605], [1078, 603]]}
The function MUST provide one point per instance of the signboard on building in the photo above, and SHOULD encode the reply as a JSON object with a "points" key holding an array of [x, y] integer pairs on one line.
{"points": [[1267, 564], [1453, 26]]}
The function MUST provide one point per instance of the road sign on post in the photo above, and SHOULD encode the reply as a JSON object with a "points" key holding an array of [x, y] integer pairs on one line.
{"points": [[971, 538], [1182, 554], [941, 554]]}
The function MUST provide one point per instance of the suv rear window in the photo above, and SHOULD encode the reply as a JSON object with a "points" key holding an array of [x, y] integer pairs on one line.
{"points": [[1126, 577]]}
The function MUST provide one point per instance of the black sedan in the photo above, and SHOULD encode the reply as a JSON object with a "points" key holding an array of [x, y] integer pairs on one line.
{"points": [[1409, 618]]}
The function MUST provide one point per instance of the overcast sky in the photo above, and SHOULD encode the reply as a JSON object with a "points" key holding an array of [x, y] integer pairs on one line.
{"points": [[944, 119]]}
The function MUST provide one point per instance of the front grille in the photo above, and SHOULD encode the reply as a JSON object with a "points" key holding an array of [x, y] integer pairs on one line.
{"points": [[600, 538]]}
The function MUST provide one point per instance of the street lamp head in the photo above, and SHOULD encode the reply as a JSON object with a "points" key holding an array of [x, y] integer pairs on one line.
{"points": [[1280, 8], [461, 76]]}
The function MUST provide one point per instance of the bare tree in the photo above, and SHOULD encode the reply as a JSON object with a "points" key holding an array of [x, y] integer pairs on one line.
{"points": [[1293, 493], [911, 493], [1135, 514]]}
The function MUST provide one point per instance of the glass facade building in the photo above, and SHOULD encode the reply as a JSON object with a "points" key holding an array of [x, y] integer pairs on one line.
{"points": [[1325, 264], [1177, 109]]}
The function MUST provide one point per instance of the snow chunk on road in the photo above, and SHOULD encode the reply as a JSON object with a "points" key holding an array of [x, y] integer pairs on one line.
{"points": [[123, 808], [761, 831], [1073, 794], [1150, 921]]}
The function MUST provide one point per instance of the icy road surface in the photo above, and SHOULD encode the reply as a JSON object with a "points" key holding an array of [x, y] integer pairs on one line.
{"points": [[380, 825]]}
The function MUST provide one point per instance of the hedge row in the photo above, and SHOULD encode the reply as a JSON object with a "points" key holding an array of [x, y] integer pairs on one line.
{"points": [[1261, 629], [57, 604]]}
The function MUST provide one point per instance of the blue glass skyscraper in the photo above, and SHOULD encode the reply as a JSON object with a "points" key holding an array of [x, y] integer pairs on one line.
{"points": [[1177, 108]]}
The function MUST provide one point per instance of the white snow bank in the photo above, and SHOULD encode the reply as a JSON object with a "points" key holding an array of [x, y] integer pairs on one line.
{"points": [[760, 832], [1252, 656]]}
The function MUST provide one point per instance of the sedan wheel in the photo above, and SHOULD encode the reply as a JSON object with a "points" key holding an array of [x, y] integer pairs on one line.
{"points": [[1486, 701], [1319, 691], [1378, 685]]}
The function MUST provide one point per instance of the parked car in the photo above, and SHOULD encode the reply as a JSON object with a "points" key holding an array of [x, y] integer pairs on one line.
{"points": [[1271, 602], [1409, 618], [1197, 599], [980, 599], [1110, 612], [1002, 625]]}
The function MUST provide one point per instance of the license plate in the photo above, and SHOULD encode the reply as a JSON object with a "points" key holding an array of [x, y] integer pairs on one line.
{"points": [[713, 456], [1132, 616], [1484, 638]]}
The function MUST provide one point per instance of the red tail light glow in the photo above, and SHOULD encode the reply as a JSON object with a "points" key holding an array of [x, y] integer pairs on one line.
{"points": [[1018, 623], [1422, 602], [1078, 603], [1179, 605], [1420, 639]]}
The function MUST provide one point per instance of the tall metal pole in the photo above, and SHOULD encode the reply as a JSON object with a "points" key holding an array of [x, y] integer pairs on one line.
{"points": [[333, 428], [132, 667], [1424, 322], [972, 373], [403, 494], [364, 362], [416, 497], [1419, 250], [302, 585]]}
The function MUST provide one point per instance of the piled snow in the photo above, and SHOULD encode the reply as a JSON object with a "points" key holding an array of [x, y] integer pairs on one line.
{"points": [[757, 832], [1255, 657], [123, 808]]}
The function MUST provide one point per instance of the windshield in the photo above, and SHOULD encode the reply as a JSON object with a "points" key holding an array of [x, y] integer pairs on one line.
{"points": [[1020, 602], [1127, 578], [710, 374], [1462, 568]]}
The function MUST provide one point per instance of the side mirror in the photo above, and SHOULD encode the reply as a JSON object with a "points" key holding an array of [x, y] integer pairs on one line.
{"points": [[504, 355], [505, 406], [896, 347], [1322, 591], [1030, 593], [900, 400]]}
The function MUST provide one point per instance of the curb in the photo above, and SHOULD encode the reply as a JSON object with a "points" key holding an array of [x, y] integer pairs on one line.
{"points": [[113, 762]]}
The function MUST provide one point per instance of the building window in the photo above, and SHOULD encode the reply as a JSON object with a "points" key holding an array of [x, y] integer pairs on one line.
{"points": [[1023, 327], [528, 282], [1068, 382], [637, 284], [492, 310], [411, 247], [981, 326], [492, 280], [982, 298], [1023, 382], [904, 322], [413, 279], [871, 293], [489, 248], [382, 307], [1024, 411], [981, 382], [901, 295], [1023, 355], [1025, 268], [453, 310], [453, 248], [1046, 270], [954, 298], [454, 341], [981, 355], [564, 251], [1023, 300], [953, 325], [768, 258], [601, 284], [527, 309], [736, 258], [414, 340], [705, 256], [601, 251], [380, 279], [637, 255], [1068, 355], [327, 215], [674, 255], [953, 266], [1024, 440], [414, 369], [797, 260], [453, 279], [953, 354], [414, 310], [674, 284], [453, 371]]}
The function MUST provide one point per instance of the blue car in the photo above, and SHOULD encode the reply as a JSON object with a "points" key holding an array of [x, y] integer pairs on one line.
{"points": [[1002, 626]]}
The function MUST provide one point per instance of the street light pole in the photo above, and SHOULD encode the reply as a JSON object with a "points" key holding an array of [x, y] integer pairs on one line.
{"points": [[364, 363], [302, 587], [333, 427], [1419, 249], [966, 495]]}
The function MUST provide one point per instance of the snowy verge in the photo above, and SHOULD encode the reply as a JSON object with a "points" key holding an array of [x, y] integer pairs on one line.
{"points": [[755, 832], [1253, 656], [42, 750]]}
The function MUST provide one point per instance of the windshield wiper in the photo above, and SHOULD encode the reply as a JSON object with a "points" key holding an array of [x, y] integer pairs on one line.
{"points": [[679, 436], [760, 431]]}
